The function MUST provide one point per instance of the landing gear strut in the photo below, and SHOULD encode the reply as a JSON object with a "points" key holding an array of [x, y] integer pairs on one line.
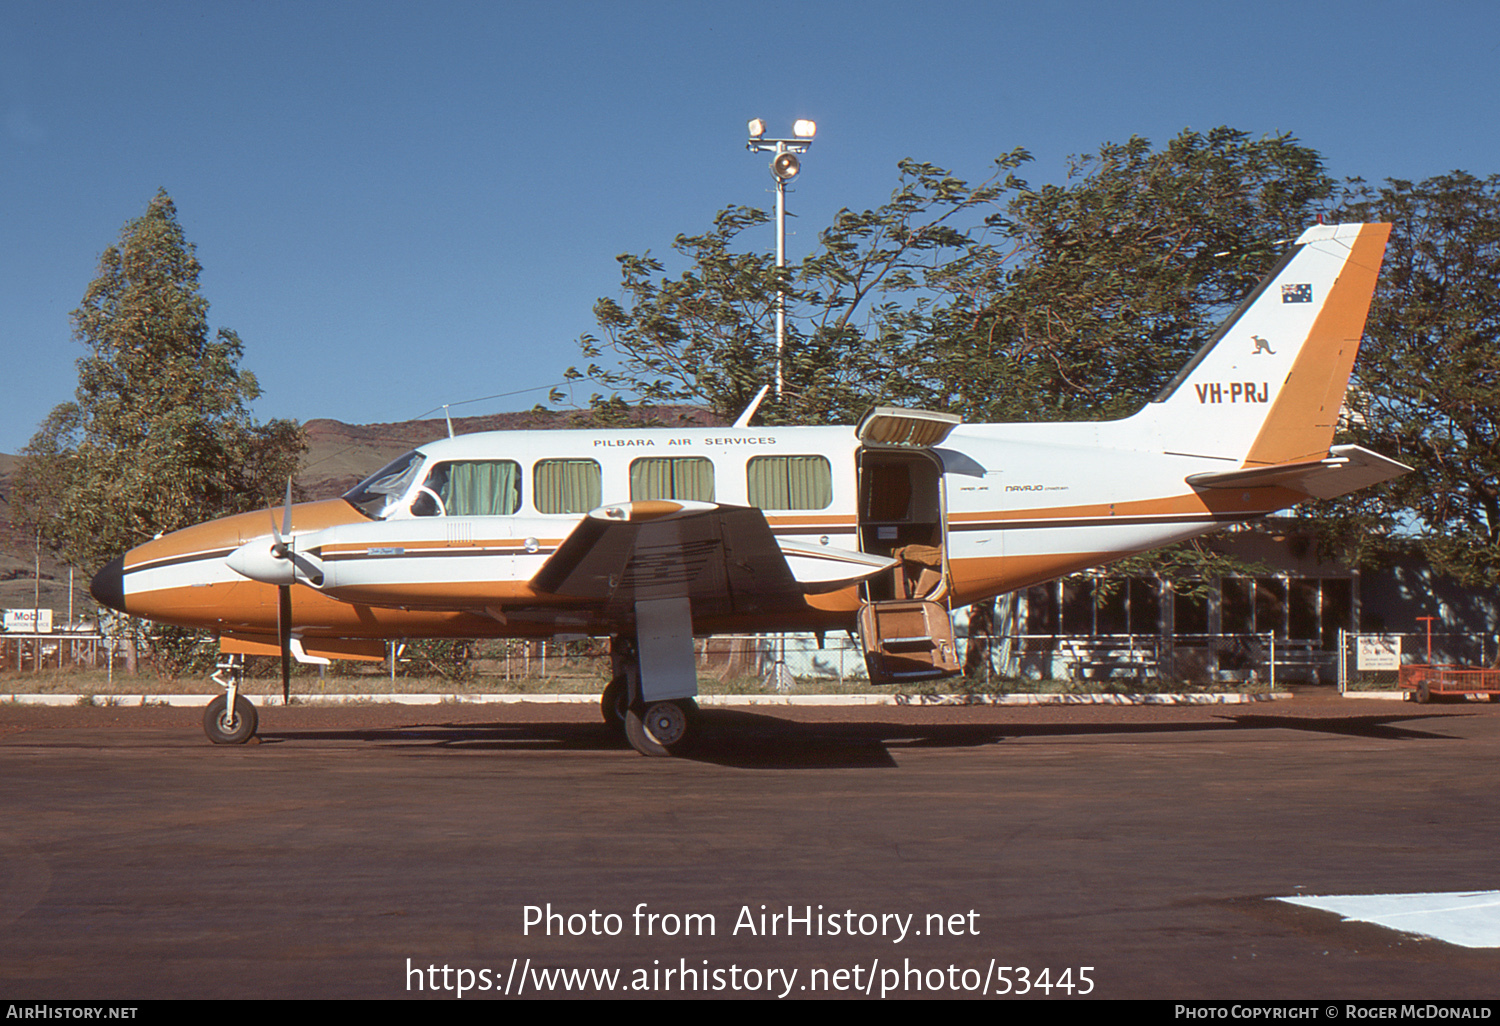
{"points": [[230, 719], [652, 704]]}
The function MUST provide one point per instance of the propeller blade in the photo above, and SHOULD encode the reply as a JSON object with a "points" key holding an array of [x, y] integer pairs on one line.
{"points": [[279, 544], [284, 632], [286, 516]]}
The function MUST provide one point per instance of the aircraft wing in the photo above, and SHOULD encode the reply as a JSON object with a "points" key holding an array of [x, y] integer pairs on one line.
{"points": [[724, 558], [1345, 469]]}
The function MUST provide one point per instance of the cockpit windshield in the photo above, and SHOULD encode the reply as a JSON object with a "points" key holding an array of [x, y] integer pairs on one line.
{"points": [[376, 495]]}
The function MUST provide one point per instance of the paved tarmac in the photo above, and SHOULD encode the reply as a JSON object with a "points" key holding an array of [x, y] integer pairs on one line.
{"points": [[358, 851]]}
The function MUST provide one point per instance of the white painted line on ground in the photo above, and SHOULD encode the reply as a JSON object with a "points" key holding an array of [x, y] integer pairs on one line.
{"points": [[1470, 919], [126, 701]]}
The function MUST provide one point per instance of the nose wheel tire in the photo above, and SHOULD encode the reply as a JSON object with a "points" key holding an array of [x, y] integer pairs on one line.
{"points": [[663, 728], [224, 727]]}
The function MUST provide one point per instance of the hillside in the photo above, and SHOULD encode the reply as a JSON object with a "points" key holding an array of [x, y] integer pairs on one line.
{"points": [[339, 456]]}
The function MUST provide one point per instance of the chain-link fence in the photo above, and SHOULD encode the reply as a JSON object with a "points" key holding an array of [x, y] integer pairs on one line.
{"points": [[799, 662], [733, 663], [1372, 662], [55, 651]]}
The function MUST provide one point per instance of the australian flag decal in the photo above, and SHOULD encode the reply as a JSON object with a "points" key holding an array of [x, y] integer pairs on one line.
{"points": [[1296, 293]]}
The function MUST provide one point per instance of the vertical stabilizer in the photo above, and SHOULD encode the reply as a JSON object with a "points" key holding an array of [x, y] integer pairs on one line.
{"points": [[1267, 388]]}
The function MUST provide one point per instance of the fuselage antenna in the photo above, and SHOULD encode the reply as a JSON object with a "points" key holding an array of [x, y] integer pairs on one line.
{"points": [[744, 420]]}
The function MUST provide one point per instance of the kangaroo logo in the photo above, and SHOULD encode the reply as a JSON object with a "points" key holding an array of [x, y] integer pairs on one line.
{"points": [[1262, 346]]}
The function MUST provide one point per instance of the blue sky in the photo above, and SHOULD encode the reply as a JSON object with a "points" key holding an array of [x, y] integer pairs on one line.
{"points": [[399, 205]]}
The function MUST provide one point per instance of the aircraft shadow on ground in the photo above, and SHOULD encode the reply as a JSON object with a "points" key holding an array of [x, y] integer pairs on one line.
{"points": [[751, 740]]}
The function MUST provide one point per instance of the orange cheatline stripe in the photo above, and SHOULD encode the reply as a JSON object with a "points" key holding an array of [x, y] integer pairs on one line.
{"points": [[1219, 501], [228, 533], [1302, 420]]}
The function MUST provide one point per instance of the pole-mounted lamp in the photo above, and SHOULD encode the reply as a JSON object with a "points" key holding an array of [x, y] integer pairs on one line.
{"points": [[784, 167]]}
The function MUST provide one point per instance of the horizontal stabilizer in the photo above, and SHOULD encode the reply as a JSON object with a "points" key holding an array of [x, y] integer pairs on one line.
{"points": [[1345, 469]]}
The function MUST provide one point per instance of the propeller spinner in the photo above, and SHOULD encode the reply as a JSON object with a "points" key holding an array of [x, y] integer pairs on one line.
{"points": [[277, 562]]}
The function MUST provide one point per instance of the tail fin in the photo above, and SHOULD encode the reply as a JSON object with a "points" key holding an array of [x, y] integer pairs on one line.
{"points": [[1267, 387]]}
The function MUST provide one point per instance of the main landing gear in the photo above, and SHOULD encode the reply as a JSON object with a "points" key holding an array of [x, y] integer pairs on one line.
{"points": [[230, 719], [656, 726]]}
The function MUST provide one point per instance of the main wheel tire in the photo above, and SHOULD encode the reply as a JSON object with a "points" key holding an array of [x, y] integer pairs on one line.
{"points": [[1424, 693], [614, 704], [663, 728], [226, 728]]}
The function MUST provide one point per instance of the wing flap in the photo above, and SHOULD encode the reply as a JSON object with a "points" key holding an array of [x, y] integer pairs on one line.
{"points": [[724, 558]]}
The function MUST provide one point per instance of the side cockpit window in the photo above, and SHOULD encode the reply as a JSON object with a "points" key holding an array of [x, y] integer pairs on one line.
{"points": [[376, 496], [470, 488]]}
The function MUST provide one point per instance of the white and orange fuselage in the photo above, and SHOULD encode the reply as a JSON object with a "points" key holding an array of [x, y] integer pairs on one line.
{"points": [[470, 536]]}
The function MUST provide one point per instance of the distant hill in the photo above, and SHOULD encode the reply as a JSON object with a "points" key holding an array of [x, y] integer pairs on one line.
{"points": [[339, 456]]}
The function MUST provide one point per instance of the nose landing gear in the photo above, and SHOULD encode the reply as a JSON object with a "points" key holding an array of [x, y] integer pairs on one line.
{"points": [[230, 719]]}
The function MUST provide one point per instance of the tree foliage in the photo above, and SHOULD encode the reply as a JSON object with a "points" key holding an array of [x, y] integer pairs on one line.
{"points": [[995, 300], [707, 335], [158, 436], [1109, 282], [1426, 388]]}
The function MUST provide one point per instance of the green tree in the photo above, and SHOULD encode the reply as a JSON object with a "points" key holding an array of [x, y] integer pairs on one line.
{"points": [[1426, 387], [996, 301], [707, 335], [1108, 283], [698, 338], [158, 436]]}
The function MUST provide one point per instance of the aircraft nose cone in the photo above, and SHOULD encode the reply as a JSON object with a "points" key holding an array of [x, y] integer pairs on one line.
{"points": [[108, 585]]}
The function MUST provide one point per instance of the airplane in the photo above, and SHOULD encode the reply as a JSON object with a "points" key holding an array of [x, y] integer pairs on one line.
{"points": [[654, 536]]}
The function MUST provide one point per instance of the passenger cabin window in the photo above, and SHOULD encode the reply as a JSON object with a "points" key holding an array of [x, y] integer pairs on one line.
{"points": [[470, 488], [672, 477], [790, 482], [566, 486]]}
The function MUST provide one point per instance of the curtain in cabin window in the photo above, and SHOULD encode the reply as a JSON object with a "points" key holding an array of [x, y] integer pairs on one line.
{"points": [[567, 486], [790, 482], [672, 477], [487, 488]]}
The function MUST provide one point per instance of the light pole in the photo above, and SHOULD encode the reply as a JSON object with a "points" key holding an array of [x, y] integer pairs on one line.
{"points": [[784, 167]]}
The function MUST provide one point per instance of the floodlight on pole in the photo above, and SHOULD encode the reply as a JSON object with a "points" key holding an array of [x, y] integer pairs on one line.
{"points": [[784, 167]]}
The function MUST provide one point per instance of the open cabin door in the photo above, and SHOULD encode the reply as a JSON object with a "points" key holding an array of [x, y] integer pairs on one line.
{"points": [[904, 625]]}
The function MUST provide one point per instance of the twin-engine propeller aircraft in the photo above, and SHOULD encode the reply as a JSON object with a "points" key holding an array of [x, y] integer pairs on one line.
{"points": [[654, 536]]}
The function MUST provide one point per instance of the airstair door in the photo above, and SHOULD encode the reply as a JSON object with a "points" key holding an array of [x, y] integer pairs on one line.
{"points": [[904, 625]]}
